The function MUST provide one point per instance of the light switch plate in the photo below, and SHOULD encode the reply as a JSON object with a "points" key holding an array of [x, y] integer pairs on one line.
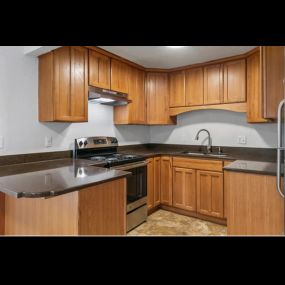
{"points": [[48, 141], [1, 142], [242, 140]]}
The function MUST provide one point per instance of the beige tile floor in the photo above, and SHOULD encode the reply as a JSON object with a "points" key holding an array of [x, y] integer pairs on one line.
{"points": [[163, 223]]}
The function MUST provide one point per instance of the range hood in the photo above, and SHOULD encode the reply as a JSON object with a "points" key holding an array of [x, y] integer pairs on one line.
{"points": [[107, 97]]}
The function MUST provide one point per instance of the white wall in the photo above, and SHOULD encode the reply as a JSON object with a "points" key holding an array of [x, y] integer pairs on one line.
{"points": [[24, 134], [224, 127], [19, 124]]}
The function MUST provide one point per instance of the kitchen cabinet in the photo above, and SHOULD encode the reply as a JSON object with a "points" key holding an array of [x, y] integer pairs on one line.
{"points": [[235, 81], [265, 89], [255, 207], [166, 180], [210, 199], [150, 184], [157, 96], [177, 89], [272, 79], [2, 213], [135, 112], [213, 84], [156, 181], [198, 186], [194, 86], [63, 85], [184, 188], [119, 76], [153, 182], [99, 70]]}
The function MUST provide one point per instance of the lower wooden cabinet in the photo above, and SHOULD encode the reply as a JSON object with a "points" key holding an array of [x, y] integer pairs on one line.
{"points": [[156, 180], [210, 193], [184, 188], [2, 213], [166, 180], [153, 182]]}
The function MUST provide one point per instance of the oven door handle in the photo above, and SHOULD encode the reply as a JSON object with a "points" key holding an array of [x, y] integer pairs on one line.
{"points": [[129, 166]]}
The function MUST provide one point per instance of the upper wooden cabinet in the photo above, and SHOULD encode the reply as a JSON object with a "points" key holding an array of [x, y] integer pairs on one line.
{"points": [[166, 180], [135, 112], [235, 81], [265, 89], [99, 70], [157, 96], [213, 84], [63, 85], [120, 76], [194, 86], [177, 89], [272, 79]]}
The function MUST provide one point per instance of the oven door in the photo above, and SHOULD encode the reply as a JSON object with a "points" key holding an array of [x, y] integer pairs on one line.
{"points": [[136, 183]]}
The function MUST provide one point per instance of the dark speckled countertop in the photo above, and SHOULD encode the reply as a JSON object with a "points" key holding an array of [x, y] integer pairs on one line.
{"points": [[54, 177], [257, 167]]}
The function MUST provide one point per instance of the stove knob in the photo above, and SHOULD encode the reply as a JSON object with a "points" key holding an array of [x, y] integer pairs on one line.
{"points": [[85, 143], [80, 143], [114, 140]]}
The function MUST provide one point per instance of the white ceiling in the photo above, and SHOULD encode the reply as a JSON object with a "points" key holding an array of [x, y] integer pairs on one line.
{"points": [[165, 57]]}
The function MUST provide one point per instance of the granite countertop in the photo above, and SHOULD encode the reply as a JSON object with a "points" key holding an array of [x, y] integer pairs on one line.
{"points": [[54, 177], [257, 167]]}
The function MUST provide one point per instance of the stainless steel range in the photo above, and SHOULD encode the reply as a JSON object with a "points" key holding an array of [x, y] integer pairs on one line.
{"points": [[103, 151]]}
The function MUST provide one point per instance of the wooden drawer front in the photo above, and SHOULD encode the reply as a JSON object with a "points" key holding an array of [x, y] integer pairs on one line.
{"points": [[201, 164]]}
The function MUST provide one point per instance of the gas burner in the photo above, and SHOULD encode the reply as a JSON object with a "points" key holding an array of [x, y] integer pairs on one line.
{"points": [[98, 158], [129, 156], [112, 159]]}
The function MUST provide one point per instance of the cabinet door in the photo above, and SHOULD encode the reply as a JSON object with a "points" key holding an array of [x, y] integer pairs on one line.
{"points": [[184, 189], [137, 95], [2, 213], [150, 184], [234, 81], [210, 193], [157, 99], [166, 180], [194, 86], [99, 70], [156, 179], [119, 76], [213, 84], [254, 96], [79, 84], [273, 75], [177, 89]]}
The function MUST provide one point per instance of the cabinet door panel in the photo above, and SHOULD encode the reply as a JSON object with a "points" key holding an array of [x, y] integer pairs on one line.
{"points": [[213, 84], [156, 178], [150, 184], [166, 180], [79, 83], [99, 70], [194, 86], [119, 76], [177, 89], [234, 81], [210, 193]]}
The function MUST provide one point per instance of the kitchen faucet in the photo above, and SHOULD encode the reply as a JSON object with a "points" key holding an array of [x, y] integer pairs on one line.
{"points": [[209, 146]]}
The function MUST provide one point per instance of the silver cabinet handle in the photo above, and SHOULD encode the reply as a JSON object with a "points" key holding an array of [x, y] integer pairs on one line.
{"points": [[279, 147]]}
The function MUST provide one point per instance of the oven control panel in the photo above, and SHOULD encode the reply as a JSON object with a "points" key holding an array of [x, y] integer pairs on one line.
{"points": [[96, 142]]}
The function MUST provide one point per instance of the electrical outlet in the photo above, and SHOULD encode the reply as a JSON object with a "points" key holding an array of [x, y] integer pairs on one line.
{"points": [[48, 141], [242, 140], [1, 142]]}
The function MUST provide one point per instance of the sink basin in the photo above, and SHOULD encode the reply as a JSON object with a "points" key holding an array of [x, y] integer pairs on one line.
{"points": [[205, 154]]}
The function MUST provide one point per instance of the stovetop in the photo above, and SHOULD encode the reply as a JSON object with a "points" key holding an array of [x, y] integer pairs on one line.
{"points": [[103, 151], [115, 159]]}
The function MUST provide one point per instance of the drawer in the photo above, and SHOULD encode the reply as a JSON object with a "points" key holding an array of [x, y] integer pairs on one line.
{"points": [[201, 164]]}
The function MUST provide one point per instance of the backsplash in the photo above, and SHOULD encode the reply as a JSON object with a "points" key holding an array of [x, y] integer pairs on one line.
{"points": [[224, 126]]}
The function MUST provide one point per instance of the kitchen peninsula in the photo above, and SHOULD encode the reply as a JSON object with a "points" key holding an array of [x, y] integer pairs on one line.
{"points": [[63, 197]]}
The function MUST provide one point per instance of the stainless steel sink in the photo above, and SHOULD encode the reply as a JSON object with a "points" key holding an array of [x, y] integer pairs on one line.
{"points": [[205, 154]]}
